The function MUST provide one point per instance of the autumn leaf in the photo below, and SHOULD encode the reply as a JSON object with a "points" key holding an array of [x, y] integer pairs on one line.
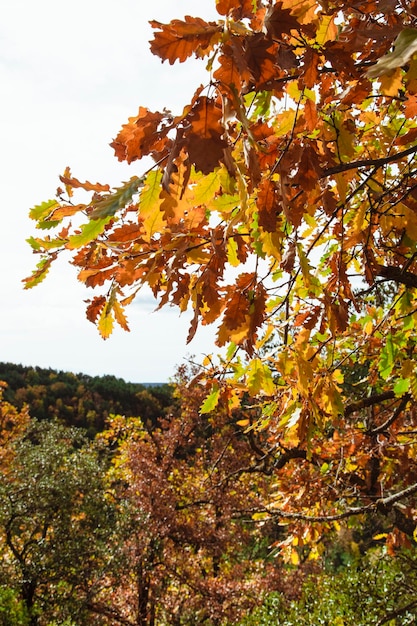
{"points": [[211, 401], [72, 182], [259, 378], [205, 143], [179, 39], [107, 205], [95, 307], [38, 275], [405, 46], [42, 211], [88, 232], [105, 324], [137, 137]]}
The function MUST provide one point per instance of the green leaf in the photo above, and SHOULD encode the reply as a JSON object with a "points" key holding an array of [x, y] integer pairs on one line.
{"points": [[40, 273], [259, 378], [45, 244], [211, 401], [47, 224], [40, 211], [88, 232], [108, 204], [386, 362], [404, 47], [401, 386]]}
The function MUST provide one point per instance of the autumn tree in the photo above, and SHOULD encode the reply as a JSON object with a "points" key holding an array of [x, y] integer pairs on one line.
{"points": [[281, 205], [194, 552]]}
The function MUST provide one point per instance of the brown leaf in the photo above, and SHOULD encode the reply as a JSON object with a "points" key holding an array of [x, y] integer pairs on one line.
{"points": [[137, 137], [260, 56], [226, 6], [179, 39], [237, 9], [269, 205], [279, 21], [233, 71], [203, 139], [310, 71], [310, 114], [95, 308]]}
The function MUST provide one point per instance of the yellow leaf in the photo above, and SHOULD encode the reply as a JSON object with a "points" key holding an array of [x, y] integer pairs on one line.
{"points": [[295, 559], [232, 249], [391, 83], [327, 30], [259, 378], [105, 323], [120, 316], [150, 205]]}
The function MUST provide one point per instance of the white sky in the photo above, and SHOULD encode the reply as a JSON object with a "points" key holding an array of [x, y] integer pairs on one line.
{"points": [[71, 74]]}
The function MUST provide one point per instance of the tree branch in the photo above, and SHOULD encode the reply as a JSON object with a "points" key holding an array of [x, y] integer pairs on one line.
{"points": [[400, 408], [344, 167], [398, 275], [369, 401]]}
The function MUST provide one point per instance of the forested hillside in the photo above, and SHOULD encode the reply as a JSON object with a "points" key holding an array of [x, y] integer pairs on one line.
{"points": [[79, 399]]}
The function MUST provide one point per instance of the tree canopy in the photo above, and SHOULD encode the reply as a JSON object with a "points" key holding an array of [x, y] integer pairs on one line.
{"points": [[281, 207]]}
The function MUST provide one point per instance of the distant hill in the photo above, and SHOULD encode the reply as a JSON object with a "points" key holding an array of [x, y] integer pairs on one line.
{"points": [[82, 400]]}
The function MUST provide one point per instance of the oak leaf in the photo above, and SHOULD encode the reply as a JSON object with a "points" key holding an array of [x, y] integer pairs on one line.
{"points": [[405, 46], [72, 182], [204, 140], [179, 39], [136, 138]]}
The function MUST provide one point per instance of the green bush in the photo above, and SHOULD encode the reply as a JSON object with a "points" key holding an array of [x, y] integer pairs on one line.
{"points": [[12, 610], [379, 590]]}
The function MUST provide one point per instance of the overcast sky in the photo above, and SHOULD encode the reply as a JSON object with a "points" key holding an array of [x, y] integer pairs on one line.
{"points": [[71, 74]]}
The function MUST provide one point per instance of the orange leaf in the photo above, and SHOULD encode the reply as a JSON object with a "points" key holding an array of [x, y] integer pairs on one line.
{"points": [[310, 114], [70, 181], [310, 73], [120, 316], [138, 136], [225, 6], [179, 39], [95, 307], [65, 211]]}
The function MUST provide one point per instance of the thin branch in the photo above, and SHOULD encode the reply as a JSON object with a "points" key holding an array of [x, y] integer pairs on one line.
{"points": [[386, 503], [344, 167], [400, 408]]}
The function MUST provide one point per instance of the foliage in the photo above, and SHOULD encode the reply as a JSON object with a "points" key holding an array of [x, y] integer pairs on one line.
{"points": [[376, 590], [57, 540], [196, 557], [12, 610], [82, 400], [282, 198]]}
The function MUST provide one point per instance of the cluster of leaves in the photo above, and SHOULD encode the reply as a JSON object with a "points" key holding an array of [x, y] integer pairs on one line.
{"points": [[282, 200], [374, 591], [82, 400]]}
